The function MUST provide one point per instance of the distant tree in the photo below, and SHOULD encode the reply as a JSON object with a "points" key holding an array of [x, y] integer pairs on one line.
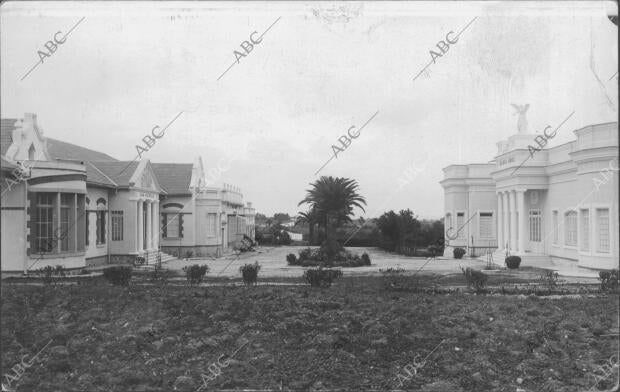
{"points": [[260, 218], [399, 230], [281, 217], [310, 218]]}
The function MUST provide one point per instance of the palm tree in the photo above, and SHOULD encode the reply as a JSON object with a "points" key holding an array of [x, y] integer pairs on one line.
{"points": [[333, 200], [309, 217]]}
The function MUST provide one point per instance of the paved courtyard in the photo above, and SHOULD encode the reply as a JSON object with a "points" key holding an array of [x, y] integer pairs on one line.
{"points": [[273, 262]]}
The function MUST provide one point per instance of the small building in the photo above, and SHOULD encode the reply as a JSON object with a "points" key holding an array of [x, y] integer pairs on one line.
{"points": [[67, 205]]}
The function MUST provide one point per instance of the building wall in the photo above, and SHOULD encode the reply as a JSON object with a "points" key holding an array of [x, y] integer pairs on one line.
{"points": [[92, 249], [13, 231], [119, 201], [185, 209]]}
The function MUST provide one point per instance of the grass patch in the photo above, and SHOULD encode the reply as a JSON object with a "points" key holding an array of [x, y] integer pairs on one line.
{"points": [[355, 335]]}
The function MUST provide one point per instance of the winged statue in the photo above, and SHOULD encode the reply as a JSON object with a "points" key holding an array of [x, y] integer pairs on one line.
{"points": [[522, 121]]}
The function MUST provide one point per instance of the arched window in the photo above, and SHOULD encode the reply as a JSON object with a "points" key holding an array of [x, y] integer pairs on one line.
{"points": [[31, 152]]}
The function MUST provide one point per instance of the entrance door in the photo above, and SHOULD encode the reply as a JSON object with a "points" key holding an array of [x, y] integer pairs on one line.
{"points": [[535, 231]]}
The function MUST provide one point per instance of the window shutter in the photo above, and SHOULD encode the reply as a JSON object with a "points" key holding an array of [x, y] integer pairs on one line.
{"points": [[164, 225], [180, 225], [87, 226], [103, 225]]}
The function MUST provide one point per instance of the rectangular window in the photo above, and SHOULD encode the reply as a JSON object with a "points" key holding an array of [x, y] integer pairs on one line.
{"points": [[460, 220], [584, 227], [66, 204], [211, 225], [535, 225], [117, 225], [172, 225], [44, 222], [570, 228], [100, 227], [53, 222], [556, 229], [602, 222], [486, 225], [448, 222]]}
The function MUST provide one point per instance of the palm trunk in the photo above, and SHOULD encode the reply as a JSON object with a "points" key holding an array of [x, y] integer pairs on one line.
{"points": [[311, 232]]}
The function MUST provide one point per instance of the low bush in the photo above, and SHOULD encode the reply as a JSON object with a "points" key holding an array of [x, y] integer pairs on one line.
{"points": [[321, 277], [609, 280], [458, 253], [249, 272], [319, 257], [305, 254], [195, 273], [549, 279], [475, 279], [513, 262], [246, 244], [188, 254], [291, 259], [118, 275], [50, 274]]}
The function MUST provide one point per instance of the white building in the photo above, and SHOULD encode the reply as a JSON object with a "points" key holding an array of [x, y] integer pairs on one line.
{"points": [[67, 205], [554, 205]]}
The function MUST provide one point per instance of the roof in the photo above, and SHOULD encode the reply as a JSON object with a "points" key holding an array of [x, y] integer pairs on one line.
{"points": [[119, 172], [7, 166], [63, 150], [96, 176], [7, 125], [174, 177]]}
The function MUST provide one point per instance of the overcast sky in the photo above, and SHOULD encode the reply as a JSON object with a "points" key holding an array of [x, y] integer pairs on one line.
{"points": [[322, 68]]}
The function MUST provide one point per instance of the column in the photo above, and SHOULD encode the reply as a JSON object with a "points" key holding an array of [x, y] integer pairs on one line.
{"points": [[505, 220], [500, 222], [156, 223], [513, 220], [149, 229], [523, 216], [140, 227]]}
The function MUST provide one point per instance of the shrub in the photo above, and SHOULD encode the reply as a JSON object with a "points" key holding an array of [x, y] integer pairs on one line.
{"points": [[50, 274], [118, 275], [435, 250], [249, 272], [365, 259], [513, 262], [305, 254], [320, 277], [291, 259], [188, 254], [246, 244], [282, 238], [609, 279], [475, 279], [458, 253], [195, 273], [549, 279]]}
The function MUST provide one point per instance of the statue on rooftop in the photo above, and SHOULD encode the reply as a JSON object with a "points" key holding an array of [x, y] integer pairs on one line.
{"points": [[522, 121]]}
